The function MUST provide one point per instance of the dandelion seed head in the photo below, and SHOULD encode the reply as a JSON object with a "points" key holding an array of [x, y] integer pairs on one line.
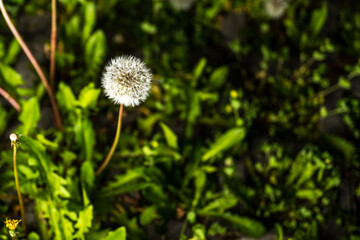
{"points": [[276, 8], [126, 80]]}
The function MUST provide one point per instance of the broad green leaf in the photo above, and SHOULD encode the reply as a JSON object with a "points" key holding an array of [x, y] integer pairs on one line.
{"points": [[88, 96], [87, 174], [309, 194], [58, 184], [279, 232], [170, 136], [10, 76], [118, 234], [318, 19], [218, 77], [36, 149], [291, 29], [355, 72], [13, 52], [318, 56], [72, 28], [220, 205], [146, 125], [29, 116], [84, 222], [148, 215], [55, 219], [65, 97], [85, 137], [89, 19], [148, 28], [27, 172], [200, 181], [307, 172], [199, 232], [68, 157], [67, 224], [95, 49], [154, 194], [245, 225], [33, 236], [344, 83], [2, 50], [340, 144], [47, 143], [216, 229], [225, 141], [303, 168], [331, 183], [3, 119], [199, 69], [191, 217], [193, 112], [132, 180], [124, 179], [131, 187], [323, 112]]}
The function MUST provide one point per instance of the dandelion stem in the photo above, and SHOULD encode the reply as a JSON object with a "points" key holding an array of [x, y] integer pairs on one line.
{"points": [[113, 147], [35, 65], [53, 44], [10, 99], [17, 183]]}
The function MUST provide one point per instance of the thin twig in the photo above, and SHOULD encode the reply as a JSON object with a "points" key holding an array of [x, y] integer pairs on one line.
{"points": [[10, 99], [35, 65], [113, 147], [53, 44]]}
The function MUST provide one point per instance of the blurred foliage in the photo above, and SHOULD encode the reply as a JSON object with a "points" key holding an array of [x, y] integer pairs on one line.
{"points": [[251, 127]]}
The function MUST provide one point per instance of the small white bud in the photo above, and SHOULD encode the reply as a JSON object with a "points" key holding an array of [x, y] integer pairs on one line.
{"points": [[13, 137]]}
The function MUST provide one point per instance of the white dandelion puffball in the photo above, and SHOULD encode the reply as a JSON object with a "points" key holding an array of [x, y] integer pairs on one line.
{"points": [[13, 137], [276, 8], [126, 80], [181, 4]]}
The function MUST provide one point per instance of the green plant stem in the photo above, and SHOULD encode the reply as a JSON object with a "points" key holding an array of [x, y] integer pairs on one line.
{"points": [[17, 183], [329, 90], [333, 113], [182, 231], [40, 220], [113, 147]]}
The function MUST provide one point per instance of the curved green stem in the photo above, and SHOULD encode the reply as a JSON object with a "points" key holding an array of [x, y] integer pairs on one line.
{"points": [[329, 90], [113, 147], [17, 183]]}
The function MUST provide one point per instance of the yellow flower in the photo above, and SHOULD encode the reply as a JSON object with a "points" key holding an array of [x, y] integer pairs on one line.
{"points": [[234, 94], [12, 223]]}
